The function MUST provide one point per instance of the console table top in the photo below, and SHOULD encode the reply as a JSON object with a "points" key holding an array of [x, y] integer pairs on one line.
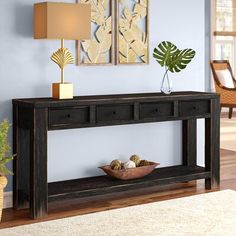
{"points": [[114, 98]]}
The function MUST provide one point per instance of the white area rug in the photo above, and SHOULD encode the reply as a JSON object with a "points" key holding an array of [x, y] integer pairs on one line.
{"points": [[205, 214], [228, 134]]}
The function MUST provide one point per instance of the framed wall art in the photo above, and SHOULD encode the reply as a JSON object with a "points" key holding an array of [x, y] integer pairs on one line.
{"points": [[120, 33], [132, 32], [99, 50]]}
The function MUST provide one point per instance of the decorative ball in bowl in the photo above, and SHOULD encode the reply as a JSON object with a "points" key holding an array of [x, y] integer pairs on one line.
{"points": [[133, 169]]}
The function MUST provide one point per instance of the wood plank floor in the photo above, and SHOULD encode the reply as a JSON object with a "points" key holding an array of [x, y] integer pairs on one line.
{"points": [[12, 217]]}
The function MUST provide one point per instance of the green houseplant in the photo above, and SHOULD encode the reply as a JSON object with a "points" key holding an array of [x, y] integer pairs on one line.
{"points": [[173, 59], [4, 159]]}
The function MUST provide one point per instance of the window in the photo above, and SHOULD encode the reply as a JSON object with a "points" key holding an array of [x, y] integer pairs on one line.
{"points": [[224, 49], [224, 15], [225, 34]]}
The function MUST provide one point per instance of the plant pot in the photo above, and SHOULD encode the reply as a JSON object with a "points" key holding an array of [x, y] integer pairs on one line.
{"points": [[3, 184]]}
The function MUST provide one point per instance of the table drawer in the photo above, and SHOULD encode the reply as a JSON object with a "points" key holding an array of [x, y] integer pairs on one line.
{"points": [[194, 108], [154, 110], [76, 115], [109, 113]]}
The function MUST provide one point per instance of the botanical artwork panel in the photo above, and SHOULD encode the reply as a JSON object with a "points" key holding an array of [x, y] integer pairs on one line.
{"points": [[132, 32], [99, 49]]}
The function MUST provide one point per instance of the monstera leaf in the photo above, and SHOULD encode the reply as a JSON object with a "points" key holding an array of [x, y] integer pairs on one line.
{"points": [[175, 60], [164, 51], [180, 60]]}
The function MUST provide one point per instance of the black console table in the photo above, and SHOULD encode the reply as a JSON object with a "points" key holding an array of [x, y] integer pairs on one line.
{"points": [[32, 118]]}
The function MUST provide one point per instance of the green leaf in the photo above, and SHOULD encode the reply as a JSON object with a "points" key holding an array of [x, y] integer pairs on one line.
{"points": [[180, 60], [175, 60], [163, 52]]}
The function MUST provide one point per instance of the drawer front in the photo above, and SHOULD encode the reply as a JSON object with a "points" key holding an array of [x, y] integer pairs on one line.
{"points": [[109, 113], [78, 115], [194, 108], [155, 110]]}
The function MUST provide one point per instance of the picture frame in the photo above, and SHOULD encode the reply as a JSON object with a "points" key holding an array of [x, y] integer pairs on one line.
{"points": [[120, 33], [132, 32], [99, 50]]}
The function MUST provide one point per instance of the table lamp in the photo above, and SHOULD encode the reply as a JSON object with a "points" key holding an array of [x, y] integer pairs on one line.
{"points": [[54, 20]]}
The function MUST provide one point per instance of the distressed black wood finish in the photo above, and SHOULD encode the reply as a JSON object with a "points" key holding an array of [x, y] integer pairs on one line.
{"points": [[189, 137], [86, 187], [194, 108], [21, 142], [111, 113], [63, 117], [212, 140], [149, 110], [38, 164], [33, 118]]}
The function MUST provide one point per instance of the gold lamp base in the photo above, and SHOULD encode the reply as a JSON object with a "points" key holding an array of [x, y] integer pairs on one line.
{"points": [[62, 57], [62, 91]]}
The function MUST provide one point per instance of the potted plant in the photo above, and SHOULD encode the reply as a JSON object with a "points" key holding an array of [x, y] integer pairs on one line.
{"points": [[173, 59], [4, 159]]}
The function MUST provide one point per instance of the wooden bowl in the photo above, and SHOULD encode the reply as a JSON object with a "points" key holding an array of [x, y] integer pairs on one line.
{"points": [[132, 173]]}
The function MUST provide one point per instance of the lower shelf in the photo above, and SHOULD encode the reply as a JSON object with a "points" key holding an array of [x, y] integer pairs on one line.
{"points": [[104, 184]]}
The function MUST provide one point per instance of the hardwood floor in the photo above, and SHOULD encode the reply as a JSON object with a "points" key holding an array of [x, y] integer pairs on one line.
{"points": [[12, 217]]}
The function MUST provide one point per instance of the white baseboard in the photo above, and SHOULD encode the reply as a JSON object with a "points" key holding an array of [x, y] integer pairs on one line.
{"points": [[7, 200]]}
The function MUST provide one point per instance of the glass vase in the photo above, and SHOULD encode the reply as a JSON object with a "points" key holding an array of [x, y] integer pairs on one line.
{"points": [[166, 84]]}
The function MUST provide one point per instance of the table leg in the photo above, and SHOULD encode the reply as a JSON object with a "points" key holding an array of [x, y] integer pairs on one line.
{"points": [[38, 164], [21, 163], [212, 149], [189, 138]]}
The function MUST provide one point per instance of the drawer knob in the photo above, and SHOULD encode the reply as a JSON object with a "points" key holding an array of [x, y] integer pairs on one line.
{"points": [[156, 110], [114, 112], [68, 115], [194, 108]]}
